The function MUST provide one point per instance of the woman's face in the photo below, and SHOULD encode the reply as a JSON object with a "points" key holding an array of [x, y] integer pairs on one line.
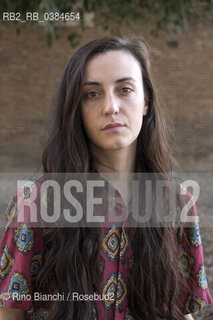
{"points": [[112, 104]]}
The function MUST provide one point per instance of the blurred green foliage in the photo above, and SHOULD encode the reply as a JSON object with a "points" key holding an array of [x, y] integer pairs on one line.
{"points": [[170, 16]]}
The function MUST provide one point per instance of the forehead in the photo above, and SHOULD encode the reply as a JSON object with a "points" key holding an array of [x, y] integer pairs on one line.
{"points": [[112, 66]]}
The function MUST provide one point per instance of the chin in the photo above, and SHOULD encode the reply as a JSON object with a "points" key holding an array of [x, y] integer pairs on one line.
{"points": [[116, 146]]}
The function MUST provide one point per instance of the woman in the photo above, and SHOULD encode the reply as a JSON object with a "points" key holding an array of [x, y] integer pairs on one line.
{"points": [[107, 119]]}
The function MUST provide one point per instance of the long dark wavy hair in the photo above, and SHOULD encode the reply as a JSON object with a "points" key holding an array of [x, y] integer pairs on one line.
{"points": [[72, 256]]}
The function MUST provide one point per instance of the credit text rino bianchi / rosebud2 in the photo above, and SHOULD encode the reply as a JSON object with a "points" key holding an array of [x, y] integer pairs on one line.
{"points": [[75, 296]]}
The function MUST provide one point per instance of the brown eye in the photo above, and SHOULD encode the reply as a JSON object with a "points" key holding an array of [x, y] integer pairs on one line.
{"points": [[126, 90], [92, 94]]}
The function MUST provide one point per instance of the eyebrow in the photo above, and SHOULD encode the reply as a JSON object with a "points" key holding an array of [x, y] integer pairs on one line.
{"points": [[92, 83]]}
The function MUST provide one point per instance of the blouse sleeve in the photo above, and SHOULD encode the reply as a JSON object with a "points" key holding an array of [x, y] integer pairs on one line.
{"points": [[193, 294], [21, 252]]}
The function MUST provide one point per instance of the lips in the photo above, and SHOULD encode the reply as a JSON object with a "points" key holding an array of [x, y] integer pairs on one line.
{"points": [[113, 125]]}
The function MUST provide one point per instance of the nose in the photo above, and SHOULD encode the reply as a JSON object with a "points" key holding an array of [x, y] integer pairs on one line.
{"points": [[111, 104]]}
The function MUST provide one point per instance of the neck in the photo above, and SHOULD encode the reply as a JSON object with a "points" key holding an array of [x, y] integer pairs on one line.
{"points": [[116, 166], [120, 161]]}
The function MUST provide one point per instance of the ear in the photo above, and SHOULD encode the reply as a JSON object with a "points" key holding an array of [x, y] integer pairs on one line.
{"points": [[145, 109]]}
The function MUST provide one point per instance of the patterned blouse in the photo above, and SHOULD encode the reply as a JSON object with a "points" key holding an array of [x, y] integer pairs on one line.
{"points": [[21, 254]]}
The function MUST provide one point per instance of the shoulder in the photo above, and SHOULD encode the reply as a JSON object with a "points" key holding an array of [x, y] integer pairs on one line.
{"points": [[24, 206]]}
